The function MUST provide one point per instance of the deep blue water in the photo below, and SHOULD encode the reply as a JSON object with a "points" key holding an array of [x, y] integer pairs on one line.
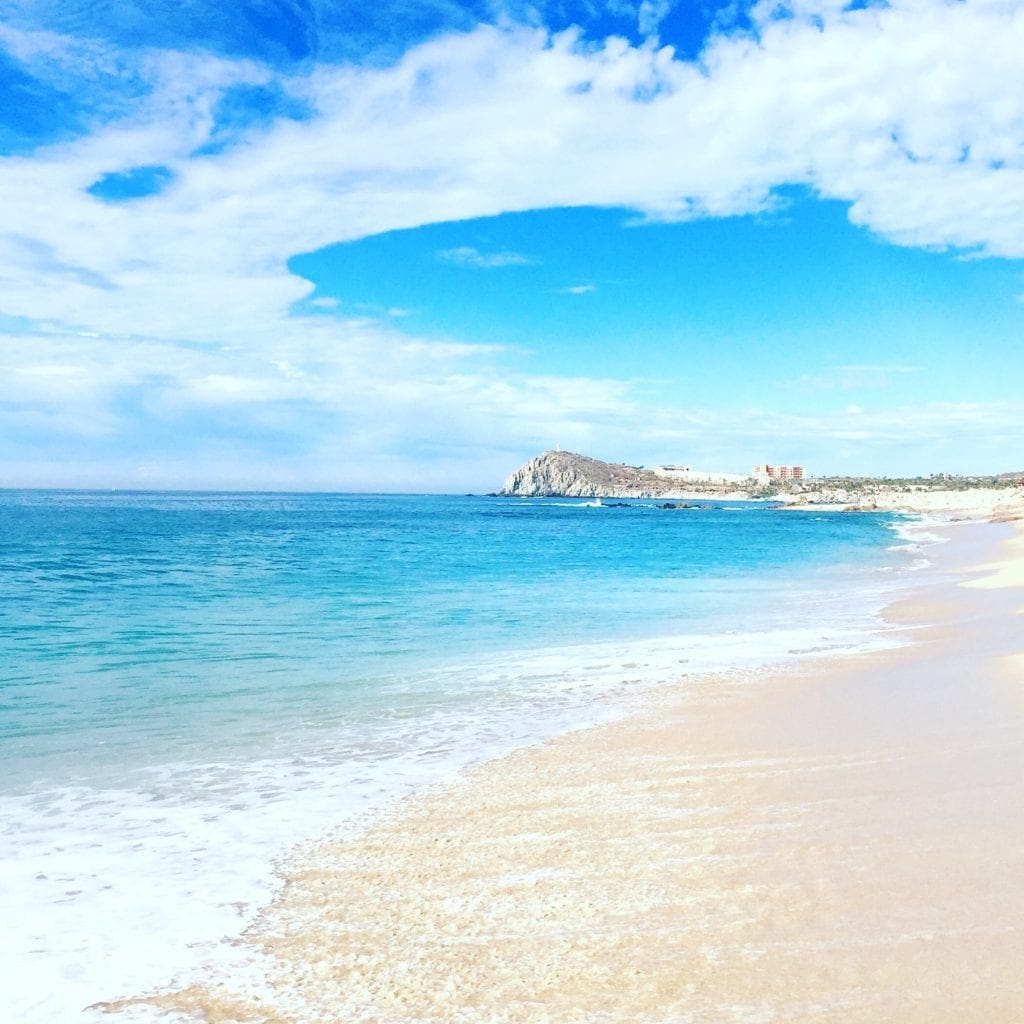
{"points": [[193, 682]]}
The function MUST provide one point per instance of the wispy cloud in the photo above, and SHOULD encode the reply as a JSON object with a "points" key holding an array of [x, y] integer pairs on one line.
{"points": [[650, 14], [467, 256], [578, 289], [342, 398], [213, 250], [471, 125], [852, 377]]}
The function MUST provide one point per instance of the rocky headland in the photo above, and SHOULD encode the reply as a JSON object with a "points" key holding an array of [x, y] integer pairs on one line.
{"points": [[570, 475]]}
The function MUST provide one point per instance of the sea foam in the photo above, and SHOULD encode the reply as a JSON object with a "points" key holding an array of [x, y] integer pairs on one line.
{"points": [[158, 771]]}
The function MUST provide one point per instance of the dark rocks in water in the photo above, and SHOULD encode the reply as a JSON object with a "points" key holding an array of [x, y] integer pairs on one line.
{"points": [[686, 504]]}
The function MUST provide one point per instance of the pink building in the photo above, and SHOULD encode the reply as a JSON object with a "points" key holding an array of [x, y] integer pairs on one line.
{"points": [[766, 472]]}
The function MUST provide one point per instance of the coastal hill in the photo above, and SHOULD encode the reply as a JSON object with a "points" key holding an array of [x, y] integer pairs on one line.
{"points": [[570, 475]]}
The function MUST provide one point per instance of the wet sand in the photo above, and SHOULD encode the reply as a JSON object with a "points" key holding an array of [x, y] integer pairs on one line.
{"points": [[839, 842]]}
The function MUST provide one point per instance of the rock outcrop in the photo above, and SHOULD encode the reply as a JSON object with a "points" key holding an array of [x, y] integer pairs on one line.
{"points": [[568, 475]]}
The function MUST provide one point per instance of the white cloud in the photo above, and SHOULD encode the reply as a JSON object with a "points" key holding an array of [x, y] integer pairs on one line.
{"points": [[914, 114], [579, 289], [793, 113], [346, 413], [650, 15], [853, 377], [877, 108], [924, 437], [467, 256]]}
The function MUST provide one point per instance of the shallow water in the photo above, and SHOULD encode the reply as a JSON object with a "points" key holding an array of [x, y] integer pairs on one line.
{"points": [[193, 683]]}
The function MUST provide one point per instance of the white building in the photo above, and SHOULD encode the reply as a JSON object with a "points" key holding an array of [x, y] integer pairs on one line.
{"points": [[699, 476]]}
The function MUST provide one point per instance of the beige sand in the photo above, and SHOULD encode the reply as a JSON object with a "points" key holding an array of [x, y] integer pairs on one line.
{"points": [[839, 843], [1007, 572], [1003, 504]]}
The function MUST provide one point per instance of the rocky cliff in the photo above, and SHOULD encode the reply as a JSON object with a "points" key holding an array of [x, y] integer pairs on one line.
{"points": [[566, 474]]}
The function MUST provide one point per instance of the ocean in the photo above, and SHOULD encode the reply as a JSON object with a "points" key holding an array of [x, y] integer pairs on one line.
{"points": [[193, 684]]}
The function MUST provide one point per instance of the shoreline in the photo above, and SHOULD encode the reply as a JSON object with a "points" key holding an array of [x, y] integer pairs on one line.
{"points": [[1004, 505], [197, 846], [683, 863], [571, 475]]}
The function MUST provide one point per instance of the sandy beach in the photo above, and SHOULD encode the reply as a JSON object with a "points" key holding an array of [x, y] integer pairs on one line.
{"points": [[837, 842], [1003, 504]]}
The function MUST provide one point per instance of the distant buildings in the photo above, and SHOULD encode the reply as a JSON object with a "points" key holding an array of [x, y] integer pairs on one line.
{"points": [[766, 472], [763, 474]]}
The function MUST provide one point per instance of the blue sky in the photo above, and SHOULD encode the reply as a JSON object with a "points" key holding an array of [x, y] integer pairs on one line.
{"points": [[406, 246]]}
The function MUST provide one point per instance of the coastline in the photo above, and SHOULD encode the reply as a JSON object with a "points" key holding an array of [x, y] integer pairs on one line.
{"points": [[558, 474], [1003, 505], [195, 843], [836, 841]]}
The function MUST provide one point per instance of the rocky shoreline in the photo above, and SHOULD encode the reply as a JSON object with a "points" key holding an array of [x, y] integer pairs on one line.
{"points": [[571, 475]]}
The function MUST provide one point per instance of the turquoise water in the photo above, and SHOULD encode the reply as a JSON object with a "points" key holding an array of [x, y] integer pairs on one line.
{"points": [[194, 682]]}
